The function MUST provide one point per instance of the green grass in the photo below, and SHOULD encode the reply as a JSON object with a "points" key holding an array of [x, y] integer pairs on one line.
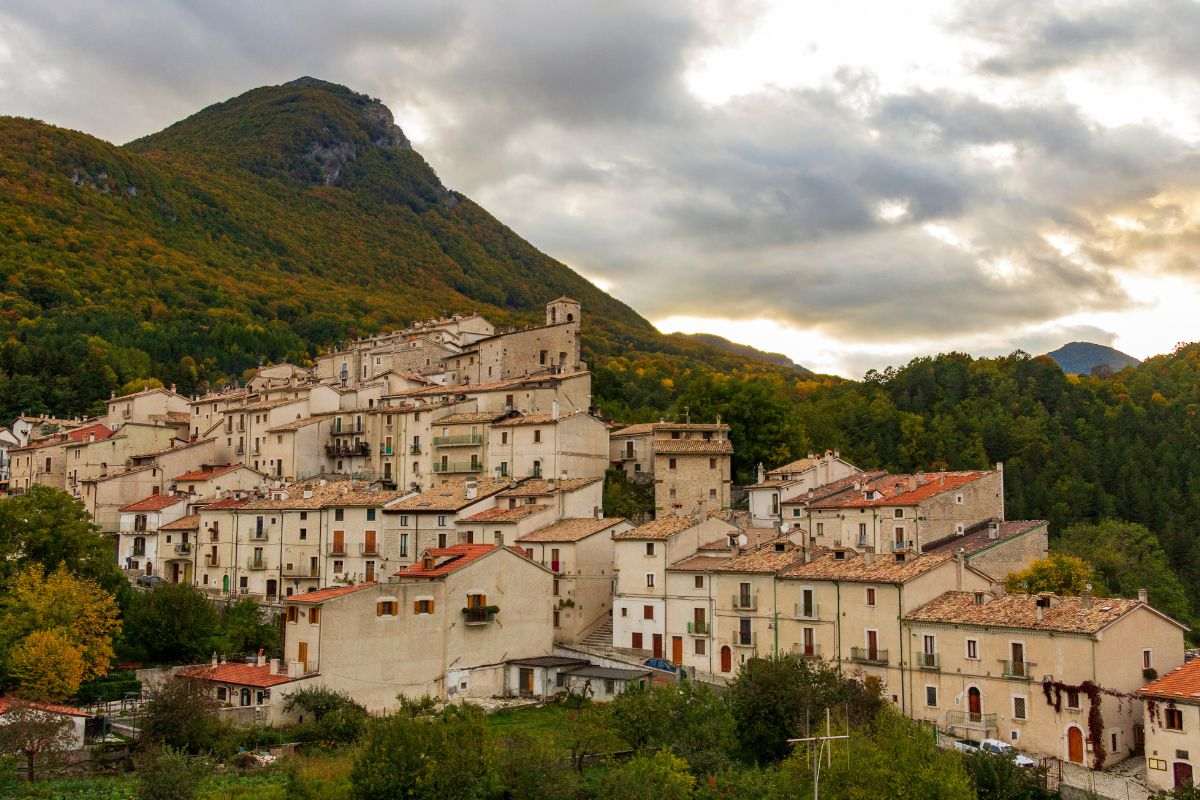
{"points": [[538, 721]]}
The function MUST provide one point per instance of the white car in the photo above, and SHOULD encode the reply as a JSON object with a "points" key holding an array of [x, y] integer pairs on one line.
{"points": [[1002, 748], [964, 746]]}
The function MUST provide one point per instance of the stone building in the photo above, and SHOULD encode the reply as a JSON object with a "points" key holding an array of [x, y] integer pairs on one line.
{"points": [[1171, 721], [774, 488], [690, 464]]}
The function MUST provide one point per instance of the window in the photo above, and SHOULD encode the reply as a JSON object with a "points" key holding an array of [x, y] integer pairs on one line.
{"points": [[389, 608], [712, 463], [712, 494], [610, 686], [649, 548], [370, 515], [958, 499], [1072, 698], [556, 617], [670, 463], [404, 520], [931, 696], [1147, 660], [503, 437], [1174, 719], [820, 529], [898, 513], [537, 435], [498, 538], [699, 647], [222, 693], [293, 614], [699, 581], [338, 566], [973, 649], [303, 515], [314, 616], [554, 590], [649, 580], [339, 514], [647, 612], [635, 641], [1018, 708], [624, 611], [441, 540], [423, 607], [441, 520], [404, 545], [303, 534], [870, 595]]}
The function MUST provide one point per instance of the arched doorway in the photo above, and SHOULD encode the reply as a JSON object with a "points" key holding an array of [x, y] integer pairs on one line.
{"points": [[975, 704], [1183, 774], [726, 659], [225, 584], [1075, 744]]}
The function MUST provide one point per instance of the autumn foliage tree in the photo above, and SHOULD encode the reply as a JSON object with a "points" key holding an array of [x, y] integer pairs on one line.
{"points": [[33, 735]]}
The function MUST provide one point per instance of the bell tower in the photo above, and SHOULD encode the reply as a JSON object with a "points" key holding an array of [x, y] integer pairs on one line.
{"points": [[564, 309]]}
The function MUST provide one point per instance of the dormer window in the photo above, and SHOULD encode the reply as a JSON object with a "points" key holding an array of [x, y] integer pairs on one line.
{"points": [[979, 598]]}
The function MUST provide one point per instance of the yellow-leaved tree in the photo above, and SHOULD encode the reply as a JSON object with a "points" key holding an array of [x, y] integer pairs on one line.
{"points": [[55, 626]]}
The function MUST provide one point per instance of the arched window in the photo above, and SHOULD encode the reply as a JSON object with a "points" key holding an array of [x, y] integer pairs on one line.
{"points": [[245, 697]]}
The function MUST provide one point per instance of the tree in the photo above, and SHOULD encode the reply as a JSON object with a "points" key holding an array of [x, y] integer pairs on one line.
{"points": [[34, 735], [246, 628], [76, 610], [46, 666], [168, 774], [773, 699], [531, 768], [627, 498], [171, 624], [589, 731], [329, 716], [48, 527], [646, 776], [997, 777], [687, 718], [1059, 573], [182, 715]]}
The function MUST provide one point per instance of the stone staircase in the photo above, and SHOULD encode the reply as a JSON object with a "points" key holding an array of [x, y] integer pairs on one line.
{"points": [[600, 636]]}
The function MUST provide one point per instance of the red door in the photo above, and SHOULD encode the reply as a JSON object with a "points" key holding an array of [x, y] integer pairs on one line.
{"points": [[974, 704], [1075, 747], [658, 645], [726, 659], [676, 650], [872, 645], [1183, 774], [636, 642]]}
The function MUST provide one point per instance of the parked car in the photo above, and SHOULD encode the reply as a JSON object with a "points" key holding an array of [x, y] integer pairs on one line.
{"points": [[150, 581], [1002, 748], [964, 746], [659, 663]]}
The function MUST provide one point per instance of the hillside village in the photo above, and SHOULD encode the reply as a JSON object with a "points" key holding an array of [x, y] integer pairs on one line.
{"points": [[424, 513]]}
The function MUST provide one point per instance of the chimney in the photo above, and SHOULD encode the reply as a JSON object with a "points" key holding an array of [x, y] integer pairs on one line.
{"points": [[869, 556], [960, 562], [994, 529], [472, 490], [760, 473], [1038, 611], [261, 659], [1143, 595], [274, 666], [214, 658], [554, 410], [1086, 598]]}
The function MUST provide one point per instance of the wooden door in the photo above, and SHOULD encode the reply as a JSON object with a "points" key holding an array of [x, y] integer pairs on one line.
{"points": [[1183, 774], [369, 544], [726, 659], [1075, 745], [810, 645], [526, 681], [974, 703], [677, 650], [302, 654], [339, 543], [872, 645], [658, 645], [636, 641]]}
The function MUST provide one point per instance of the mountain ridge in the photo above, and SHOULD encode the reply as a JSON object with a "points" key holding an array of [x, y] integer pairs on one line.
{"points": [[1084, 358]]}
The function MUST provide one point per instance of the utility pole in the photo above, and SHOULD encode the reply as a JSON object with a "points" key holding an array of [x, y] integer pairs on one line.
{"points": [[823, 750]]}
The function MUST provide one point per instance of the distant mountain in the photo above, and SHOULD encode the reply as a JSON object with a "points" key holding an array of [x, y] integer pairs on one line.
{"points": [[1082, 358], [744, 350]]}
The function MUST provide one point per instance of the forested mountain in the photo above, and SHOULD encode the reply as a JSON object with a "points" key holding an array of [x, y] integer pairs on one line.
{"points": [[292, 217], [1083, 358], [259, 229]]}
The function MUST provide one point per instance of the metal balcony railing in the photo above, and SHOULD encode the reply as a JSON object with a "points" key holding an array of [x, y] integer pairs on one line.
{"points": [[336, 549], [211, 560], [807, 651], [899, 546], [744, 639], [348, 450], [301, 571], [384, 450], [457, 466], [183, 549], [368, 549], [479, 616], [463, 440], [866, 655], [1017, 670], [253, 563], [928, 661], [258, 536], [415, 450], [744, 602], [698, 628], [971, 721], [810, 611]]}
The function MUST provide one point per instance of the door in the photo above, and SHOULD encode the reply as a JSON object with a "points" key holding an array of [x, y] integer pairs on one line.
{"points": [[225, 584], [370, 572], [369, 544], [1018, 659], [677, 650], [1183, 774], [302, 654], [726, 659], [1075, 746], [658, 645], [636, 641], [272, 587], [873, 645], [975, 704], [810, 644], [526, 679], [175, 572], [339, 543]]}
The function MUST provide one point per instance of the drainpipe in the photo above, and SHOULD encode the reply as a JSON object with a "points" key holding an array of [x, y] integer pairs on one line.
{"points": [[899, 616], [837, 585], [775, 609]]}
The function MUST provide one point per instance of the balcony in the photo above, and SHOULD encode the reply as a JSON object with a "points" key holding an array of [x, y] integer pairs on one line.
{"points": [[211, 560], [258, 535], [183, 549], [699, 629], [971, 721], [384, 450], [1017, 670], [465, 440], [368, 549], [480, 615], [335, 549], [744, 639], [139, 552], [866, 655], [810, 611], [449, 467], [348, 449], [300, 571], [928, 661], [898, 547], [415, 450], [256, 564], [241, 450], [807, 651], [744, 602]]}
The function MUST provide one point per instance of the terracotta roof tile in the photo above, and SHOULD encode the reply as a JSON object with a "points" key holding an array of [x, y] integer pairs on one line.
{"points": [[334, 494], [700, 563], [500, 514], [156, 502], [884, 568], [693, 446], [297, 424], [1065, 614], [208, 473], [469, 418], [1181, 683], [240, 674], [764, 559], [446, 560], [980, 537], [660, 529], [451, 496], [542, 487], [642, 428], [900, 490], [799, 465], [321, 595], [189, 523], [9, 703], [571, 529], [535, 419], [225, 503]]}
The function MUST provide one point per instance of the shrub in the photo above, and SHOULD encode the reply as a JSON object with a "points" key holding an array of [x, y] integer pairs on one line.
{"points": [[168, 774]]}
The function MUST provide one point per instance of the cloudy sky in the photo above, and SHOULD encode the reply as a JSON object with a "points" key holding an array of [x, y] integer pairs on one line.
{"points": [[849, 183]]}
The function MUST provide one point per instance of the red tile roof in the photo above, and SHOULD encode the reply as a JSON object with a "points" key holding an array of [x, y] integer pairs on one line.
{"points": [[208, 473], [228, 502], [1181, 683], [446, 560], [321, 595], [241, 674], [81, 434], [502, 514], [901, 490], [156, 502], [9, 703], [189, 523]]}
